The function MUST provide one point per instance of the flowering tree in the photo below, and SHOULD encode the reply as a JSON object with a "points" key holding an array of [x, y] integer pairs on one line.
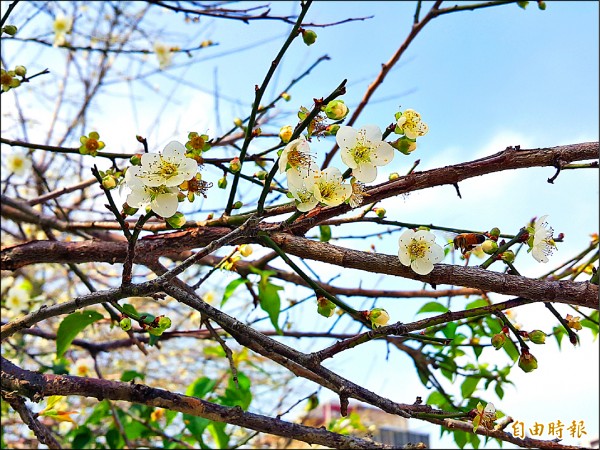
{"points": [[137, 281]]}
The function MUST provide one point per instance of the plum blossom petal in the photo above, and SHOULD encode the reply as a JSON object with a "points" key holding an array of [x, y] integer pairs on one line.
{"points": [[362, 150]]}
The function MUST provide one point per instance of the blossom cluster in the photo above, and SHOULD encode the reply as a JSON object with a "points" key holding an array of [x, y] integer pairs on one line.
{"points": [[361, 150], [158, 180]]}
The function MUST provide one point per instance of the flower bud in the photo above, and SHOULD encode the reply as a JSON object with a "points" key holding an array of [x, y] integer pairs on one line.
{"points": [[332, 130], [336, 110], [394, 176], [537, 337], [489, 247], [109, 182], [498, 340], [20, 70], [380, 212], [10, 30], [222, 183], [235, 165], [136, 160], [405, 145], [125, 324], [238, 122], [541, 5], [325, 307], [261, 175], [245, 250], [237, 205], [287, 97], [164, 322], [527, 361], [495, 232], [129, 210], [508, 256], [309, 37], [379, 317], [285, 133]]}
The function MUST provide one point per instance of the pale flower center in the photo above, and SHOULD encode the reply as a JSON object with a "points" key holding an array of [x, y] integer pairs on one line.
{"points": [[417, 249], [298, 159], [327, 189], [304, 194]]}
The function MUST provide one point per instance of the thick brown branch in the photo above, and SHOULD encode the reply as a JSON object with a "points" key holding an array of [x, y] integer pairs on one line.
{"points": [[37, 386], [569, 292]]}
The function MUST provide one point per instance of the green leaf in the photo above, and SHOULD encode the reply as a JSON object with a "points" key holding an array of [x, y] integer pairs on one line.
{"points": [[511, 350], [450, 330], [559, 334], [325, 231], [477, 303], [270, 302], [468, 386], [475, 440], [200, 387], [101, 411], [477, 351], [432, 307], [493, 325], [130, 375], [231, 287], [82, 437], [499, 391], [217, 430], [460, 437], [130, 309], [435, 398], [114, 439], [239, 395], [71, 326], [196, 426]]}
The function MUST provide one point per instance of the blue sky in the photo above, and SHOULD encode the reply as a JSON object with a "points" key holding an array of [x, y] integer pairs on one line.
{"points": [[482, 80]]}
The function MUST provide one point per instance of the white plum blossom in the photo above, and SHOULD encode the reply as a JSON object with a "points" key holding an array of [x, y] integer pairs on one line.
{"points": [[542, 244], [83, 367], [162, 200], [419, 251], [296, 160], [18, 163], [303, 191], [61, 26], [411, 125], [17, 299], [163, 54], [169, 168], [363, 150], [330, 188]]}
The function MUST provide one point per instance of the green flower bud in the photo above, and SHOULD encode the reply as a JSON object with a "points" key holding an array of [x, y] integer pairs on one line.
{"points": [[495, 232], [136, 160], [325, 307], [177, 220], [237, 205], [20, 70], [164, 322], [380, 212], [537, 337], [394, 176], [508, 256], [498, 340], [10, 29], [332, 130], [489, 247], [309, 37], [129, 210], [541, 5], [238, 122], [261, 175], [336, 110], [523, 4], [287, 97], [527, 361], [222, 183], [125, 324], [235, 165], [109, 182], [405, 145]]}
